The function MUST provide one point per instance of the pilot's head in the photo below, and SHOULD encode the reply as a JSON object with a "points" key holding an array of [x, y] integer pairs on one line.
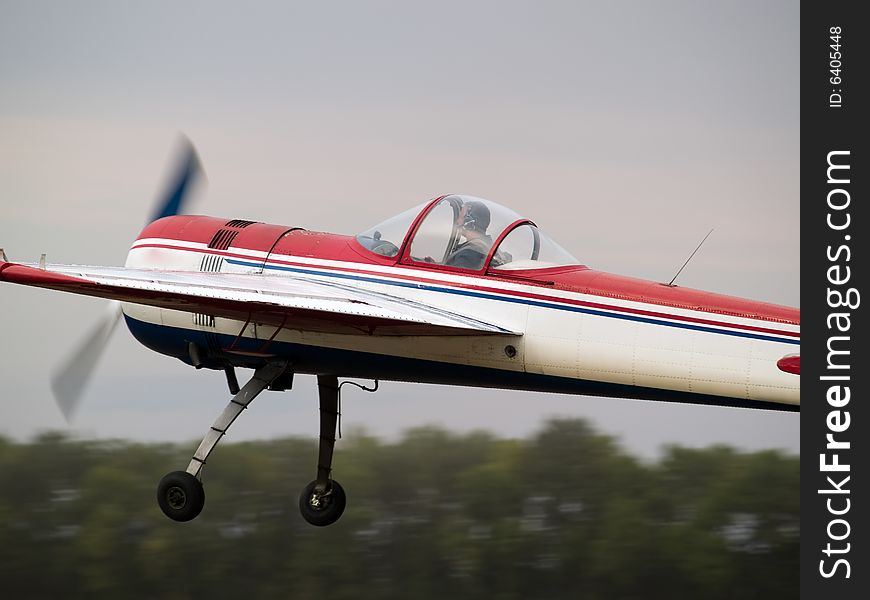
{"points": [[474, 216]]}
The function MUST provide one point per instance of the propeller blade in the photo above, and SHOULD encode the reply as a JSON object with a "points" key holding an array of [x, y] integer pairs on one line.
{"points": [[188, 170], [69, 381]]}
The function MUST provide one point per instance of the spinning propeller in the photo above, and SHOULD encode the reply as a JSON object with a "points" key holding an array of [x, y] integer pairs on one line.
{"points": [[70, 380]]}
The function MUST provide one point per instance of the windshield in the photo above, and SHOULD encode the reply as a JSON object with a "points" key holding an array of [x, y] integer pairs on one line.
{"points": [[386, 238]]}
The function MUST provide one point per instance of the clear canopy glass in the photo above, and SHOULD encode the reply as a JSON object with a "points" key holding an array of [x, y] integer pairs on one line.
{"points": [[526, 247], [386, 238], [459, 231]]}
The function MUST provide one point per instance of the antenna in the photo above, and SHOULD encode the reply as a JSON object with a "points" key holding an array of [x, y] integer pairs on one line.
{"points": [[671, 283]]}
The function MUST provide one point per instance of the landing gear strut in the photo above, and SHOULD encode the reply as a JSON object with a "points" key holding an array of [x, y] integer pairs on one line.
{"points": [[323, 500], [180, 494]]}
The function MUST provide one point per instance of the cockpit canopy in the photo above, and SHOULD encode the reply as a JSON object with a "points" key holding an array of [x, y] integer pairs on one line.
{"points": [[465, 232]]}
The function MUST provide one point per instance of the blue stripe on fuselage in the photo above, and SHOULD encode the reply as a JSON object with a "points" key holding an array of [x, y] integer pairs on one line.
{"points": [[515, 300]]}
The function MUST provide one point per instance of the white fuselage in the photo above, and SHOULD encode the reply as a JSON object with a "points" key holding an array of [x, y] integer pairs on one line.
{"points": [[566, 335]]}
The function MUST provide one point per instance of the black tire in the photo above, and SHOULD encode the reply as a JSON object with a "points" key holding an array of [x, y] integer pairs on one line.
{"points": [[330, 508], [180, 496]]}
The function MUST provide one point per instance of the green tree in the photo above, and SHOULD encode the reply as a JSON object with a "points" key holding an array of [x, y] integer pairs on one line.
{"points": [[564, 514]]}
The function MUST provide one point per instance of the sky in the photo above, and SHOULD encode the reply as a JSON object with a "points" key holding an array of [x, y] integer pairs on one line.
{"points": [[625, 130]]}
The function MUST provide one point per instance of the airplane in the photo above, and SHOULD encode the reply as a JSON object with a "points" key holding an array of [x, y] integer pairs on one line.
{"points": [[457, 290]]}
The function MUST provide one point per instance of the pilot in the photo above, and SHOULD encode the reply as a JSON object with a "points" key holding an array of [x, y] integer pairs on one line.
{"points": [[472, 221]]}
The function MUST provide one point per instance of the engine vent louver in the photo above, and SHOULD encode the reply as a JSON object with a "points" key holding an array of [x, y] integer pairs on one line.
{"points": [[203, 320], [222, 239], [211, 264], [239, 223], [226, 234]]}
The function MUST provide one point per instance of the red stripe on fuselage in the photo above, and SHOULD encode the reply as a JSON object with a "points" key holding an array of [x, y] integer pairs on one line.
{"points": [[579, 280]]}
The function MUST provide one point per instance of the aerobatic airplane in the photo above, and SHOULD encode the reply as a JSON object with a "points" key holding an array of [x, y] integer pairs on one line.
{"points": [[458, 290]]}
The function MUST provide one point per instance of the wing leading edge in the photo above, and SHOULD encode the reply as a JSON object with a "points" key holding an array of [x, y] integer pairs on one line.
{"points": [[283, 301]]}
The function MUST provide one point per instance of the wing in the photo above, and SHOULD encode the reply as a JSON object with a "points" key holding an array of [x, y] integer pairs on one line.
{"points": [[290, 301]]}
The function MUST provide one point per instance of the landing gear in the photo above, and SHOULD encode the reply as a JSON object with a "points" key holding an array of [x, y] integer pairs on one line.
{"points": [[322, 508], [180, 494], [323, 500]]}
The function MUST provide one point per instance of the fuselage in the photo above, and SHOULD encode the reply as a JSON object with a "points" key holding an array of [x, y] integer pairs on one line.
{"points": [[583, 331]]}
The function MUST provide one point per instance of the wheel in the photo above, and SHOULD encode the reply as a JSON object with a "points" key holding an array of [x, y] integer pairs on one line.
{"points": [[322, 509], [180, 496]]}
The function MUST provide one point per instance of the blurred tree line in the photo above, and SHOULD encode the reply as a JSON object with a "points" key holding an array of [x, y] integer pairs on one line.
{"points": [[565, 514]]}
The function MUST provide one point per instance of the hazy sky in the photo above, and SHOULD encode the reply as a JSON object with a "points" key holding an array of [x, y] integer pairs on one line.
{"points": [[626, 130]]}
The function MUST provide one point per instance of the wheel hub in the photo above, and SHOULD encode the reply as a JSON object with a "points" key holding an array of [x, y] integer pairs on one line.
{"points": [[176, 498], [319, 501]]}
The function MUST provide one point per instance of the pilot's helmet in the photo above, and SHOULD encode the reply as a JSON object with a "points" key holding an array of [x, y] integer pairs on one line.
{"points": [[476, 216]]}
